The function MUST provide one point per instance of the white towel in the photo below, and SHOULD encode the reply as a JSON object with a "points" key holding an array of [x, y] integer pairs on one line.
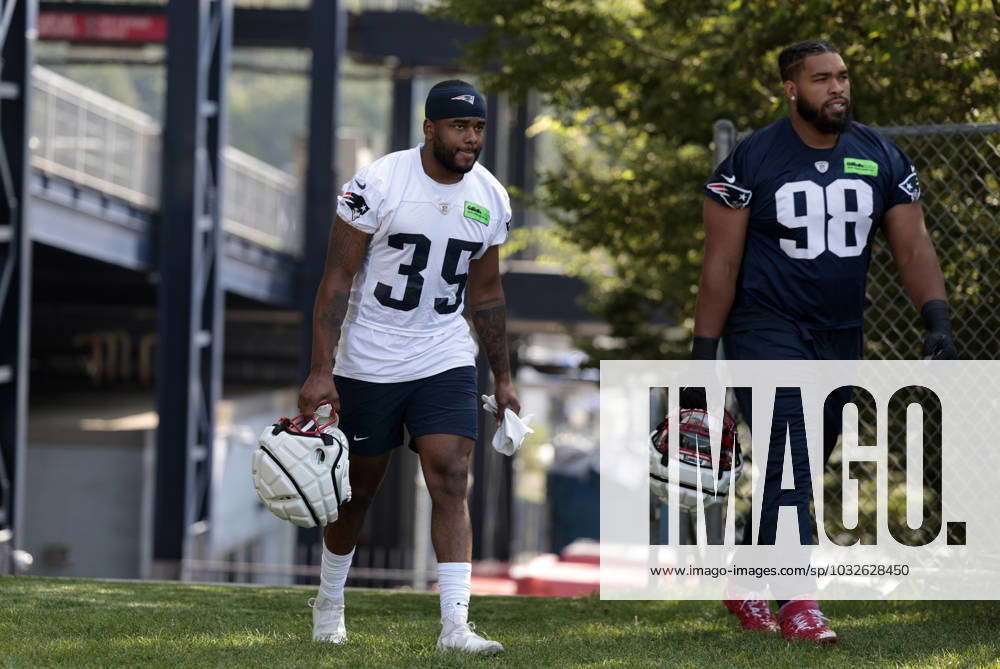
{"points": [[512, 430]]}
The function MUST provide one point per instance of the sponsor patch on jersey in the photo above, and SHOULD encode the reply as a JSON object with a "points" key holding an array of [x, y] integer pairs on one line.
{"points": [[733, 196], [355, 203], [911, 185], [868, 168], [476, 212]]}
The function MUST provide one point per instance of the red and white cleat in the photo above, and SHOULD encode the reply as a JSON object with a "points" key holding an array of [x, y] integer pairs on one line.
{"points": [[801, 620], [754, 614]]}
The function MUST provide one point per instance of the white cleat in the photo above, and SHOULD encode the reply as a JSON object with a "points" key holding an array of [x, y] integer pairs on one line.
{"points": [[328, 620], [462, 637]]}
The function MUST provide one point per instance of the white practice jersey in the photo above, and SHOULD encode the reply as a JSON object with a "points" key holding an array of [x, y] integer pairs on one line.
{"points": [[405, 318]]}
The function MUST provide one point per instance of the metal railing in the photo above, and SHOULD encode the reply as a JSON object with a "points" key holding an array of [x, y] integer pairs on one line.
{"points": [[262, 203], [93, 140], [219, 570]]}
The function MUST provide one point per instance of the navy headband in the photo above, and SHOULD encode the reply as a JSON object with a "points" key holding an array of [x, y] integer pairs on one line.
{"points": [[454, 102]]}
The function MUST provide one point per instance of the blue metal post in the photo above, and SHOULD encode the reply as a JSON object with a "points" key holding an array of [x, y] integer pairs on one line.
{"points": [[190, 295], [402, 109], [489, 155], [327, 37], [16, 58]]}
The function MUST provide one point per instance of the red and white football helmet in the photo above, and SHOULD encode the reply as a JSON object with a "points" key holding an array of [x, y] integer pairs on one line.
{"points": [[301, 469], [694, 455]]}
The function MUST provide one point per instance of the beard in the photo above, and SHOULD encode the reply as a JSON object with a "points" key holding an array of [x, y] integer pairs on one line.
{"points": [[446, 157], [825, 124]]}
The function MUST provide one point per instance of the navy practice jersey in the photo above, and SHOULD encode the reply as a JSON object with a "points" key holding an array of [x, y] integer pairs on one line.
{"points": [[813, 213]]}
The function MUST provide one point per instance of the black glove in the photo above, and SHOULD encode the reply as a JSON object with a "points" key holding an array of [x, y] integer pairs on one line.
{"points": [[704, 348], [938, 344], [692, 398]]}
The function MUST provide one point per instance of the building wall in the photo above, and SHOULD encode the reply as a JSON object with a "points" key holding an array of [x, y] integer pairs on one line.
{"points": [[89, 505], [90, 478]]}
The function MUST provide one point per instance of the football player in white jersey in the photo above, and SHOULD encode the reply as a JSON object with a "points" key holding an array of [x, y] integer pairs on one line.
{"points": [[413, 230]]}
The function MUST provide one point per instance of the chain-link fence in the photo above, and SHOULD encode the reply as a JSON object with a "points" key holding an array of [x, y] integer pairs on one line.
{"points": [[959, 167]]}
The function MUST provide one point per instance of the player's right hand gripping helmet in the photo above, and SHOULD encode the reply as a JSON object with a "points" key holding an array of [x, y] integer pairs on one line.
{"points": [[694, 455], [301, 469]]}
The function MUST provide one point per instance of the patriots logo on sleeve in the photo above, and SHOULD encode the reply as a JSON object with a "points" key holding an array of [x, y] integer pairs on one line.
{"points": [[911, 185], [355, 203], [734, 196]]}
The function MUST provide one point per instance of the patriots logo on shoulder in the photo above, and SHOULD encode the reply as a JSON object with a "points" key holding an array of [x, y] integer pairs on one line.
{"points": [[355, 203], [911, 185], [733, 196]]}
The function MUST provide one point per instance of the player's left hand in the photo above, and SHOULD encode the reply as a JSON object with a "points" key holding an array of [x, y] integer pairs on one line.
{"points": [[939, 345], [506, 396]]}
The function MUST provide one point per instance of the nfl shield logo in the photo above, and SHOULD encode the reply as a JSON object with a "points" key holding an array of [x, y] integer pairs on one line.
{"points": [[822, 166], [444, 207]]}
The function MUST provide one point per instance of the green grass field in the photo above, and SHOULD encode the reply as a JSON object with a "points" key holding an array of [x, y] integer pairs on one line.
{"points": [[78, 623]]}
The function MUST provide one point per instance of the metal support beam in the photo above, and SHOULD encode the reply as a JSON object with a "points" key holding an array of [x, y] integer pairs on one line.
{"points": [[17, 29], [402, 108], [327, 37], [411, 37], [489, 155], [521, 160], [328, 24], [191, 306]]}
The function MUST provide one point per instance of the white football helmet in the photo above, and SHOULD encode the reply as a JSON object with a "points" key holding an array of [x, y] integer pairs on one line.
{"points": [[694, 456], [301, 469]]}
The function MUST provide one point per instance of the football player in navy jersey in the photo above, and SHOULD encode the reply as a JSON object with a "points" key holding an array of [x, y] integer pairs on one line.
{"points": [[789, 219]]}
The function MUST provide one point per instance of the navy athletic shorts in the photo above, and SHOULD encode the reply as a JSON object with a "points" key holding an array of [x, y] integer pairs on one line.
{"points": [[372, 415], [791, 343]]}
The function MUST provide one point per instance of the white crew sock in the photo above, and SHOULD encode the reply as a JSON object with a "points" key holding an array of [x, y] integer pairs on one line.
{"points": [[333, 574], [455, 581]]}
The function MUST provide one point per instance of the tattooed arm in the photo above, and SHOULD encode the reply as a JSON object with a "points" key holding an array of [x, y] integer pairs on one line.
{"points": [[344, 254], [489, 317]]}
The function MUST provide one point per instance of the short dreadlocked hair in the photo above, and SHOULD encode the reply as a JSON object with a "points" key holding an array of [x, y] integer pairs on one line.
{"points": [[791, 57]]}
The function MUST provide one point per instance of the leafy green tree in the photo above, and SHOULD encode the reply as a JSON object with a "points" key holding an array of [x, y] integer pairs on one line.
{"points": [[634, 87]]}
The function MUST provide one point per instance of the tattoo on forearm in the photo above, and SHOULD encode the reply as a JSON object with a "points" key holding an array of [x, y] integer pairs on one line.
{"points": [[490, 320], [330, 318], [346, 251]]}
